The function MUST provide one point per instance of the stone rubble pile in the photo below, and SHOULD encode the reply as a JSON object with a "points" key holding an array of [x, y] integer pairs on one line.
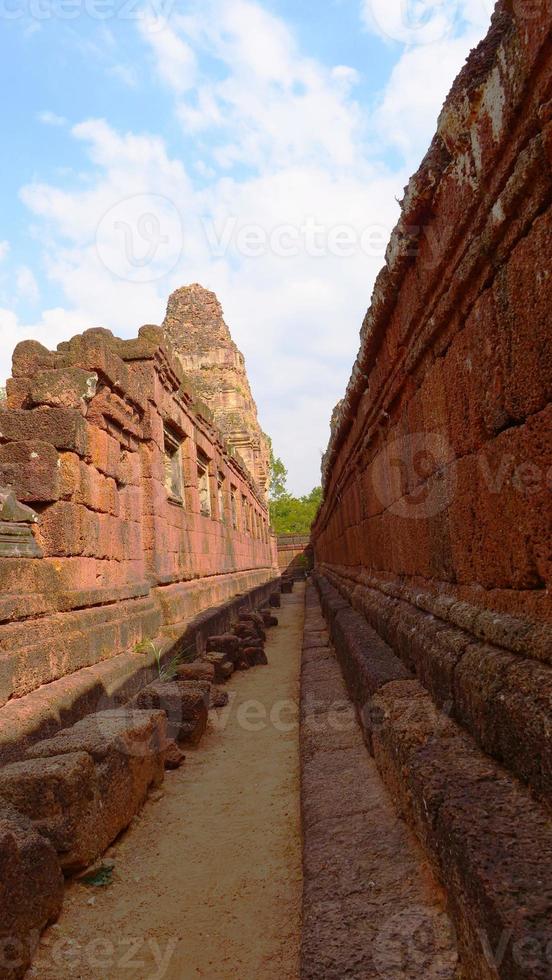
{"points": [[65, 803]]}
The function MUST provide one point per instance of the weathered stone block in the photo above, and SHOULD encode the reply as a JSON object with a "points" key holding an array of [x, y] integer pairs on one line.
{"points": [[31, 891], [32, 468], [61, 796], [30, 357], [64, 388], [185, 703], [368, 663], [488, 839], [18, 541], [227, 643], [223, 665], [197, 671], [127, 746], [64, 428]]}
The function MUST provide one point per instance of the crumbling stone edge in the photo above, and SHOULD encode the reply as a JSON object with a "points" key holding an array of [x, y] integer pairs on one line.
{"points": [[53, 706], [488, 840], [489, 688], [70, 795]]}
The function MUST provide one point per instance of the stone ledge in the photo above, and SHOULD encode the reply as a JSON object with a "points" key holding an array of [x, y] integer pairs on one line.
{"points": [[501, 699], [43, 712], [361, 906], [488, 840], [17, 541]]}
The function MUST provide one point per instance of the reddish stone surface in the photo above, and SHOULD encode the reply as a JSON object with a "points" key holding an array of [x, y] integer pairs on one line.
{"points": [[31, 891], [437, 515], [433, 545], [185, 703], [103, 437], [97, 776]]}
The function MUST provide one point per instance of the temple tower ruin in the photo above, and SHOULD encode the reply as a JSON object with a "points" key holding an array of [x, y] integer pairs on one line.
{"points": [[195, 324]]}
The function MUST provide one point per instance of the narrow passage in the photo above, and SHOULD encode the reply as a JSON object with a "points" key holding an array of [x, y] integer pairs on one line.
{"points": [[207, 882]]}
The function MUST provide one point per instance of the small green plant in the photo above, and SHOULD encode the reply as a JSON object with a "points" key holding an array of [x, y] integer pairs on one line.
{"points": [[100, 878], [168, 672], [165, 672]]}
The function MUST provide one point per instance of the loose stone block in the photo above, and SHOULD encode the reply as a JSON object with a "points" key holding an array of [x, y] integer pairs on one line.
{"points": [[61, 796], [219, 698], [127, 747], [269, 620], [224, 667], [31, 891], [185, 703], [227, 643], [197, 671], [255, 656]]}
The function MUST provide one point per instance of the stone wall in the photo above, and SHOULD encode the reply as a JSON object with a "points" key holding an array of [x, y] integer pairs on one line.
{"points": [[437, 513], [294, 554], [140, 516]]}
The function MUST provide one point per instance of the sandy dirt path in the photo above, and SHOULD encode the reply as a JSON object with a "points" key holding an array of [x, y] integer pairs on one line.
{"points": [[208, 880]]}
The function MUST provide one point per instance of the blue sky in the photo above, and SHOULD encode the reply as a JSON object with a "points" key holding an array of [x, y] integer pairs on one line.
{"points": [[256, 147]]}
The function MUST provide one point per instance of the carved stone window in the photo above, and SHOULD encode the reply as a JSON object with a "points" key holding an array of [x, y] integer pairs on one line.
{"points": [[203, 484], [221, 490], [234, 507], [174, 478]]}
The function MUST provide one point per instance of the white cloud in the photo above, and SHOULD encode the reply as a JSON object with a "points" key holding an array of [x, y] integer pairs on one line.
{"points": [[272, 105], [51, 119], [54, 326], [419, 84], [346, 75], [26, 285], [312, 158], [4, 249], [174, 58], [424, 22]]}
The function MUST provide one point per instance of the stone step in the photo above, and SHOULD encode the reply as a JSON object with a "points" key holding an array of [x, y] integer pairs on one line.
{"points": [[488, 840], [371, 907]]}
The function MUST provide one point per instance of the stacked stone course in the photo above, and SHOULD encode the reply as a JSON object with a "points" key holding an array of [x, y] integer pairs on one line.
{"points": [[294, 555], [68, 799], [433, 543], [92, 438]]}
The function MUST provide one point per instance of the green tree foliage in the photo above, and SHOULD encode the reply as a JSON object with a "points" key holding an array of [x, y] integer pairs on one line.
{"points": [[290, 515], [294, 515], [278, 476]]}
